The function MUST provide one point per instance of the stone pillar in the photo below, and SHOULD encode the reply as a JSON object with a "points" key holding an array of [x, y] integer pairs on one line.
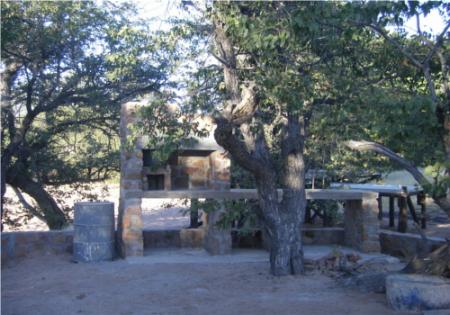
{"points": [[217, 241], [129, 227], [361, 225], [220, 176]]}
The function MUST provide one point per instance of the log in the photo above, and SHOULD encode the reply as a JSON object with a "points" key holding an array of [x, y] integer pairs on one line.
{"points": [[437, 263], [427, 262]]}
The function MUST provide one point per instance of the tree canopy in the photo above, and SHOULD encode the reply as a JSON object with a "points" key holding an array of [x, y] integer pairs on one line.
{"points": [[288, 84], [67, 68]]}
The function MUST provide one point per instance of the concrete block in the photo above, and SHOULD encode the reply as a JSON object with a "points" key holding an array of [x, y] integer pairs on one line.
{"points": [[412, 292], [405, 244], [437, 312], [218, 242]]}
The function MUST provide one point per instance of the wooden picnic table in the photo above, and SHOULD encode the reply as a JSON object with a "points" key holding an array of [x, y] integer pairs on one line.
{"points": [[403, 193]]}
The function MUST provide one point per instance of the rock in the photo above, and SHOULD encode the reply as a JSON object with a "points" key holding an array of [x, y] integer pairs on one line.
{"points": [[437, 312], [368, 282], [413, 292], [379, 264], [406, 244]]}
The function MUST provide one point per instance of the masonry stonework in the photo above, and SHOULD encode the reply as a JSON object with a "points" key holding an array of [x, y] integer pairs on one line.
{"points": [[200, 166], [129, 227], [361, 225], [217, 240]]}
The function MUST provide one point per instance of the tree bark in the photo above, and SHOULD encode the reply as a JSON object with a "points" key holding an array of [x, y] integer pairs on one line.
{"points": [[51, 213], [294, 199], [7, 77], [239, 132], [442, 201]]}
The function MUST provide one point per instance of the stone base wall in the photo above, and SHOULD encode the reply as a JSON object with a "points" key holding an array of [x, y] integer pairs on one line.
{"points": [[405, 244], [194, 238], [323, 236], [21, 244], [184, 238], [361, 225], [16, 245]]}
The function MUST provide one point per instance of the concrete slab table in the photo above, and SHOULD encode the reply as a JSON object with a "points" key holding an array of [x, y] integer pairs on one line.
{"points": [[404, 201]]}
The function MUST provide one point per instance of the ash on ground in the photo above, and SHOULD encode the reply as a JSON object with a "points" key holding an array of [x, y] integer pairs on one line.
{"points": [[352, 270]]}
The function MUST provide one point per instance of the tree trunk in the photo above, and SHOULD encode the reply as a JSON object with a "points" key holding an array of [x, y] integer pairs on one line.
{"points": [[286, 249], [52, 214], [287, 254], [6, 81], [242, 135], [443, 203], [283, 228]]}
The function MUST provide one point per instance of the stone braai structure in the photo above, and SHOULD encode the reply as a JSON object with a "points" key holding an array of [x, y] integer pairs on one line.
{"points": [[202, 165], [202, 170]]}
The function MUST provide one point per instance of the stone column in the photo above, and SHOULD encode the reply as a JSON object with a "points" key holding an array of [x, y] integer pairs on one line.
{"points": [[361, 225], [220, 176], [129, 230], [217, 241]]}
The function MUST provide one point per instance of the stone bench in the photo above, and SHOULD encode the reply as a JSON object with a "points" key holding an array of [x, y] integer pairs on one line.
{"points": [[361, 225]]}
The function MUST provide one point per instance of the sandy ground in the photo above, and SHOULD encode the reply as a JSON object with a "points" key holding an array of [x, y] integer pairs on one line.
{"points": [[157, 214], [175, 282]]}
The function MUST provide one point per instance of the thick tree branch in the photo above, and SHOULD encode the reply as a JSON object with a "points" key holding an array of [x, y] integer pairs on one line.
{"points": [[227, 54], [30, 90], [402, 49], [438, 44], [222, 61], [380, 149], [225, 137], [26, 205]]}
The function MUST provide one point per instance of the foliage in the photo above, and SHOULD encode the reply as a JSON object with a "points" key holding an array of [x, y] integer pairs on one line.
{"points": [[67, 67], [328, 209], [240, 214], [165, 129]]}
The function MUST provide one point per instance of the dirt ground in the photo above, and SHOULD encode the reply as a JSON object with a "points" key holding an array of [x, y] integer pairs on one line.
{"points": [[173, 284], [157, 214]]}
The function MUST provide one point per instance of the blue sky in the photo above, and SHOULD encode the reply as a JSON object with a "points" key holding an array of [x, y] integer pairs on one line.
{"points": [[162, 9]]}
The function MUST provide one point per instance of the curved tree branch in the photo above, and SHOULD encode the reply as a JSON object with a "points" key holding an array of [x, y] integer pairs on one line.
{"points": [[442, 201], [365, 146]]}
